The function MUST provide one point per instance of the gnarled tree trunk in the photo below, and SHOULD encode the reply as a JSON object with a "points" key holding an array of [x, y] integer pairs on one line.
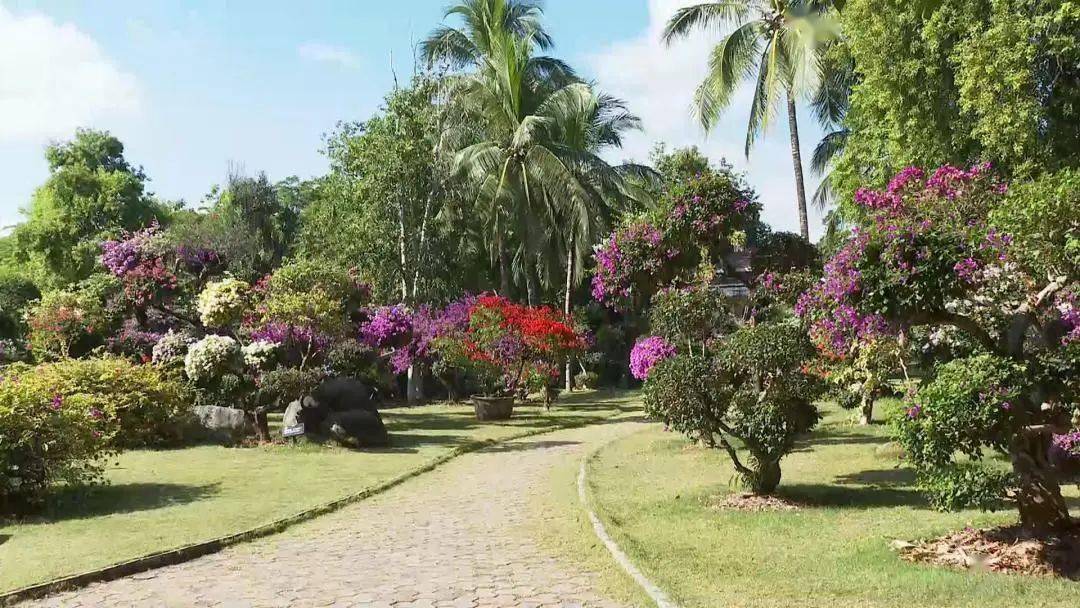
{"points": [[1042, 509], [261, 424], [765, 478]]}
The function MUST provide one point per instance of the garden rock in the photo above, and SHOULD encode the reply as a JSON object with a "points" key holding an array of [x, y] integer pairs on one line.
{"points": [[346, 394], [357, 428], [222, 423]]}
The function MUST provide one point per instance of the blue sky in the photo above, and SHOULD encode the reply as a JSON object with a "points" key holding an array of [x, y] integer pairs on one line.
{"points": [[193, 87]]}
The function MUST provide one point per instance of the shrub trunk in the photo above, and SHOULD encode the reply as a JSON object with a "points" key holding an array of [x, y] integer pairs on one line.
{"points": [[765, 478], [261, 424], [866, 413], [1043, 510]]}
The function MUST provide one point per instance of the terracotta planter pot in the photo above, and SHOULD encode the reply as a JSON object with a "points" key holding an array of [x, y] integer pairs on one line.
{"points": [[493, 408]]}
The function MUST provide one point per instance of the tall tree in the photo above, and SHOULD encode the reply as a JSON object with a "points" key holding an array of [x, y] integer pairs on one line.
{"points": [[504, 149], [774, 42], [955, 81], [389, 177], [484, 25], [92, 194]]}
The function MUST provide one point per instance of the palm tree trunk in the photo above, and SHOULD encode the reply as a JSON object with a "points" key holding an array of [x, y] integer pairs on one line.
{"points": [[796, 158], [504, 272], [566, 305], [530, 286]]}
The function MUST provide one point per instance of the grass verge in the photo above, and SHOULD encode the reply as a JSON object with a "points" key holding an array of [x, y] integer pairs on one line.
{"points": [[159, 500], [653, 492]]}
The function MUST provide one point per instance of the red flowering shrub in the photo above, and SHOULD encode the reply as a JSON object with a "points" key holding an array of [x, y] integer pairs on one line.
{"points": [[505, 343]]}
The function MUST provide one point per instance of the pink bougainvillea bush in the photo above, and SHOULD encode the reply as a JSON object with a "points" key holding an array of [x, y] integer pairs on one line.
{"points": [[927, 255], [707, 217], [647, 352]]}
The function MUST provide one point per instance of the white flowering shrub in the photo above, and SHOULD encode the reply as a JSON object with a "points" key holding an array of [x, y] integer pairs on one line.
{"points": [[210, 357], [171, 348], [223, 302], [259, 354]]}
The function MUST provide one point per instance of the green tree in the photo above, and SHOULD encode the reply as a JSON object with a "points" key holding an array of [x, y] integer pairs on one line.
{"points": [[92, 194], [775, 42], [388, 177], [954, 81], [530, 143], [251, 222]]}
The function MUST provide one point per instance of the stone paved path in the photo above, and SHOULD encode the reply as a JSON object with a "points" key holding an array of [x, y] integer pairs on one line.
{"points": [[454, 537]]}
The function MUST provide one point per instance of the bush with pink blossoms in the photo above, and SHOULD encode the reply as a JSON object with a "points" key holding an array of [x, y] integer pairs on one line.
{"points": [[647, 352], [926, 255], [633, 257]]}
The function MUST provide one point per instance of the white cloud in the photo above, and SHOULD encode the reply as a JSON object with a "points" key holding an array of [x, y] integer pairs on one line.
{"points": [[327, 53], [658, 83], [54, 78]]}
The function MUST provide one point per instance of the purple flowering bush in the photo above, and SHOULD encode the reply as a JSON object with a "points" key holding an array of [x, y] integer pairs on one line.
{"points": [[388, 327], [634, 256], [647, 352], [926, 255], [1065, 452], [708, 215], [712, 210]]}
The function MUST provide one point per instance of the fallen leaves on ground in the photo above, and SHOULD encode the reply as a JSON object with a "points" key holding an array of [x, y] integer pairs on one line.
{"points": [[1007, 549]]}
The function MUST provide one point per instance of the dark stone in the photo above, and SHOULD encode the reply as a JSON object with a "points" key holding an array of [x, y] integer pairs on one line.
{"points": [[346, 395], [357, 428]]}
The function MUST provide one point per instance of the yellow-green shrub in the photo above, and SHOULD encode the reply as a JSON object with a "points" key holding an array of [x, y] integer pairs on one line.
{"points": [[47, 436]]}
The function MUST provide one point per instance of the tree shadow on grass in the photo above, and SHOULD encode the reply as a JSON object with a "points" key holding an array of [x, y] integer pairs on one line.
{"points": [[4, 538], [850, 496], [893, 477], [75, 503]]}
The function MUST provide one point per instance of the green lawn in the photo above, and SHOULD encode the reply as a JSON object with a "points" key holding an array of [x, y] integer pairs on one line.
{"points": [[652, 491], [159, 500]]}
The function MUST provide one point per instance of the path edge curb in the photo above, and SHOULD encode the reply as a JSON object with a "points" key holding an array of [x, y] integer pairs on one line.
{"points": [[179, 555], [651, 589]]}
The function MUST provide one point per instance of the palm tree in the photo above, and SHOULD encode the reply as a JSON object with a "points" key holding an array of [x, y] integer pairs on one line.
{"points": [[830, 104], [483, 22], [774, 42], [517, 175], [530, 140]]}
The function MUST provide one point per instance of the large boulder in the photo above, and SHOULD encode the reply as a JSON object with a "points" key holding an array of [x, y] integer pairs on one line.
{"points": [[357, 428], [346, 395], [222, 423]]}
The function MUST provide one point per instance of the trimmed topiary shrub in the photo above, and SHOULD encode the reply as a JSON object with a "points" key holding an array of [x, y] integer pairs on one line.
{"points": [[747, 391]]}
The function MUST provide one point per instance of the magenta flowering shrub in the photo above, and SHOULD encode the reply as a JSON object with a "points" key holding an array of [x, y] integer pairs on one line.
{"points": [[706, 216], [926, 255], [389, 326], [647, 352], [632, 256], [927, 239], [1065, 451], [711, 210]]}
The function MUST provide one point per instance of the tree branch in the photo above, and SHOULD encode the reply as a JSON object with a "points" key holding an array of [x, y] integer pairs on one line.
{"points": [[965, 324]]}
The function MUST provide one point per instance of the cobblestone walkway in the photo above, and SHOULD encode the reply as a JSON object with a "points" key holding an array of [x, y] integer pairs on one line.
{"points": [[454, 537]]}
